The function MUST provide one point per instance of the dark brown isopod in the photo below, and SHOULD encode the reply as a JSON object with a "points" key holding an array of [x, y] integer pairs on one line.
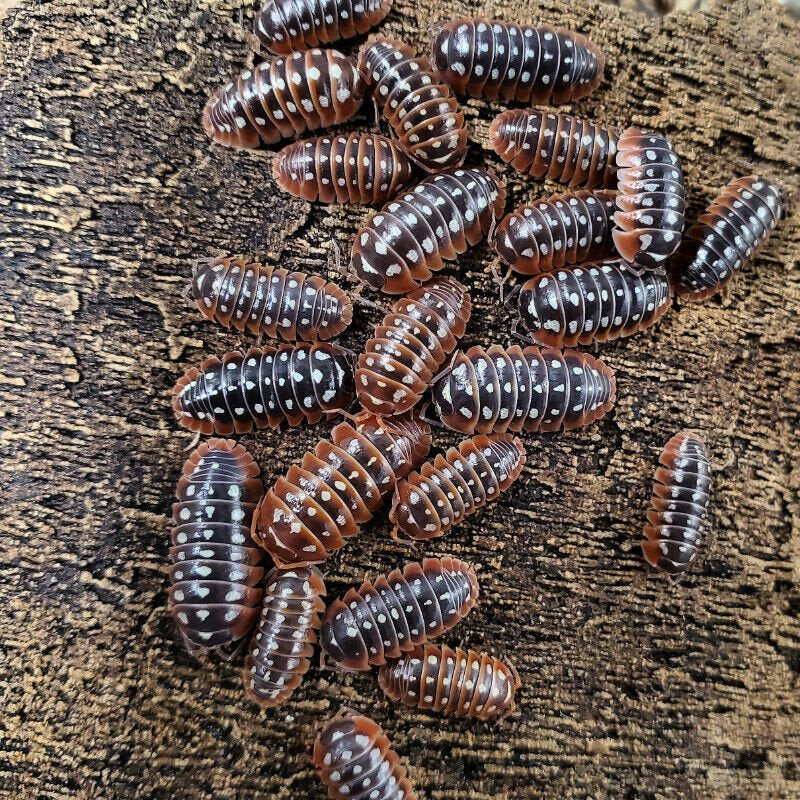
{"points": [[360, 168], [216, 567], [270, 301], [264, 387], [497, 390], [456, 682], [337, 487], [410, 346], [284, 97], [562, 229], [355, 761], [498, 60], [726, 236], [396, 612], [283, 642], [428, 503], [282, 26], [558, 147], [680, 500], [592, 303]]}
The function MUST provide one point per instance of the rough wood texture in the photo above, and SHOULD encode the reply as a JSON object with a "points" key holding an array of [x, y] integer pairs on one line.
{"points": [[632, 689]]}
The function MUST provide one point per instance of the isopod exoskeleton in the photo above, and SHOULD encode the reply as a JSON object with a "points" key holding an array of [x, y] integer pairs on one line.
{"points": [[284, 97], [413, 235], [283, 642], [498, 60], [283, 26], [680, 499], [337, 487], [428, 503], [726, 236], [216, 567], [592, 303], [535, 389], [562, 229], [420, 108], [450, 681], [651, 198], [270, 301], [410, 346], [359, 168], [264, 387], [558, 147], [355, 761], [396, 612]]}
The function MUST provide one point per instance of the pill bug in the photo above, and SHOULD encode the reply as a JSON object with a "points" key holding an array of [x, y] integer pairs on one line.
{"points": [[410, 346], [592, 303], [392, 614], [283, 26], [216, 567], [499, 389], [420, 108], [428, 503], [320, 503], [411, 236], [561, 229], [451, 681], [269, 301], [355, 761], [284, 97], [651, 198], [680, 499], [726, 236], [559, 147], [284, 639], [264, 387], [360, 168], [497, 60]]}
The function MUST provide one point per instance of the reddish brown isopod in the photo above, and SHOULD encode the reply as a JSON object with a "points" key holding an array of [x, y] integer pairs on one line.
{"points": [[410, 346], [216, 567], [456, 682], [270, 301], [396, 612], [680, 500], [323, 501], [428, 503]]}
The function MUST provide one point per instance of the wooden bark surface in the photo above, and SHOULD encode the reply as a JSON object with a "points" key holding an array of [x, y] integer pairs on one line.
{"points": [[632, 688]]}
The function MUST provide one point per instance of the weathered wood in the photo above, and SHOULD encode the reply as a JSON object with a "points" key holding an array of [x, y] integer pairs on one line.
{"points": [[632, 689]]}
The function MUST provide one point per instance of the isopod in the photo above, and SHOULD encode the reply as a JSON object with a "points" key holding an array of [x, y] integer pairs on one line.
{"points": [[355, 761], [410, 346], [284, 639], [264, 387], [562, 229], [680, 499], [559, 147], [498, 60], [336, 488], [216, 567], [428, 503], [592, 303], [420, 108], [411, 236], [284, 97], [651, 198], [396, 612], [450, 681], [360, 168], [498, 390], [269, 301], [726, 236]]}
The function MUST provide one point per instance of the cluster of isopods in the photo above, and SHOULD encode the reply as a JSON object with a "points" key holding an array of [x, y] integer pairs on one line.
{"points": [[603, 260]]}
